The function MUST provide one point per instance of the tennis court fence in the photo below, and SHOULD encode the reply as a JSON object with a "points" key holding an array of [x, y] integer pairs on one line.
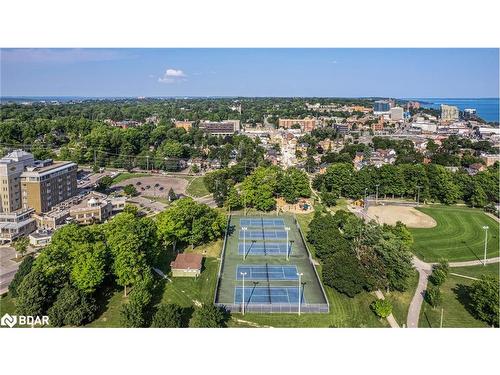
{"points": [[319, 308]]}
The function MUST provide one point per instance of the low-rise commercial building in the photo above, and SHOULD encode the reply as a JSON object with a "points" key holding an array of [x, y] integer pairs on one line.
{"points": [[306, 125], [222, 128], [186, 265], [93, 208], [16, 224]]}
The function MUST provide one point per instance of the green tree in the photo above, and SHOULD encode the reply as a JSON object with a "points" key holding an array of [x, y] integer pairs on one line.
{"points": [[381, 307], [130, 190], [209, 316], [21, 245], [72, 307], [34, 294], [23, 270], [89, 266], [233, 200], [167, 316], [171, 195], [433, 296], [440, 273], [343, 272], [104, 184], [484, 300]]}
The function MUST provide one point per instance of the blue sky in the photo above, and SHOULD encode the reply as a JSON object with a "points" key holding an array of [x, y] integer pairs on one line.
{"points": [[399, 73]]}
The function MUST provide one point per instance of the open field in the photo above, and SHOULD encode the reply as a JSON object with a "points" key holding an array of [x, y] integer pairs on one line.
{"points": [[196, 188], [455, 314], [458, 235], [401, 300], [409, 216]]}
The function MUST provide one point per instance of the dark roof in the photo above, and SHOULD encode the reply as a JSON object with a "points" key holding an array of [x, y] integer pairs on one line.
{"points": [[187, 261]]}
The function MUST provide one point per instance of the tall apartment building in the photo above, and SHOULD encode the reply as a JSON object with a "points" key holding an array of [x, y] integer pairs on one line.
{"points": [[397, 114], [11, 167], [307, 124], [48, 183], [381, 107], [449, 113]]}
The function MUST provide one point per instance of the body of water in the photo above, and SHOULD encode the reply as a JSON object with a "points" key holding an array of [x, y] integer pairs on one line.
{"points": [[487, 108]]}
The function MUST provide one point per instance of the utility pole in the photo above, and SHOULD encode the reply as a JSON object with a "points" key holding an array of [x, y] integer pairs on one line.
{"points": [[95, 158], [376, 195], [418, 195], [300, 285], [287, 243], [441, 322], [243, 293], [147, 162], [244, 229]]}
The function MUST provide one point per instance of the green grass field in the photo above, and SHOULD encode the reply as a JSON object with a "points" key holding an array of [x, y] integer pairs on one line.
{"points": [[196, 188], [478, 271], [458, 235], [455, 314]]}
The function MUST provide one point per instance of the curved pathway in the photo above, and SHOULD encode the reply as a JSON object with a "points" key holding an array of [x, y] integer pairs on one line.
{"points": [[424, 270]]}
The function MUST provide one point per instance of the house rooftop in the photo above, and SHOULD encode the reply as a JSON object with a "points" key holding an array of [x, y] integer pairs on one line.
{"points": [[187, 261]]}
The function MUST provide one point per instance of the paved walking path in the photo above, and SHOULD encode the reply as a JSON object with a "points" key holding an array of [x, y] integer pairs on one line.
{"points": [[465, 277], [474, 262], [391, 319], [424, 270]]}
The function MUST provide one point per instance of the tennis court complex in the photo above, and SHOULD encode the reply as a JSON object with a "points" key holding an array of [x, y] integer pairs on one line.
{"points": [[264, 223], [270, 295], [263, 248], [266, 272], [257, 247], [263, 234]]}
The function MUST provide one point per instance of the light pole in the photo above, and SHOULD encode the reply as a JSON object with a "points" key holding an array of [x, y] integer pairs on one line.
{"points": [[376, 195], [243, 274], [485, 242], [287, 244], [300, 274], [244, 229], [418, 195]]}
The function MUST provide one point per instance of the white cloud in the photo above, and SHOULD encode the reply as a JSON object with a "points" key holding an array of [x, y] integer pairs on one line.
{"points": [[172, 75]]}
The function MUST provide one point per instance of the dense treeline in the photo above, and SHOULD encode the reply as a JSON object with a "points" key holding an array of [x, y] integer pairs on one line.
{"points": [[82, 263], [259, 189], [359, 256], [431, 182]]}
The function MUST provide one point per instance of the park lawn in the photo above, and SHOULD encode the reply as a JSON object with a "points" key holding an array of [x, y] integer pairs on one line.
{"points": [[455, 314], [7, 305], [128, 175], [197, 188], [477, 271], [458, 235], [212, 249], [401, 300], [111, 305], [188, 292]]}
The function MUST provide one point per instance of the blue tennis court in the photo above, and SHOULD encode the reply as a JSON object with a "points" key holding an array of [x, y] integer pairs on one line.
{"points": [[261, 222], [267, 272], [263, 248], [268, 295], [262, 234]]}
